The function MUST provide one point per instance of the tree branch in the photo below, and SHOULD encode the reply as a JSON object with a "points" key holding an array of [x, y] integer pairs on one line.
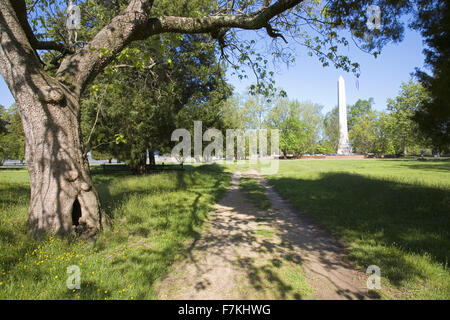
{"points": [[135, 23], [211, 23], [19, 63], [19, 7], [274, 33]]}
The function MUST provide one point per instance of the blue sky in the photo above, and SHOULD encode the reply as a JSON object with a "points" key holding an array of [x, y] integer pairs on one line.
{"points": [[380, 78], [307, 80]]}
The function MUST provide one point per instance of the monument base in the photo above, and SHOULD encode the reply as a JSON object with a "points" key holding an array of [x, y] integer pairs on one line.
{"points": [[345, 150]]}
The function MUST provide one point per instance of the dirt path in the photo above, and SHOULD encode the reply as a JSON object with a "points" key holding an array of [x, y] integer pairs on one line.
{"points": [[246, 253]]}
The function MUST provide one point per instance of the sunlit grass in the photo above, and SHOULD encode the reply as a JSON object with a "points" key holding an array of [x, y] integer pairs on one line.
{"points": [[391, 213], [155, 219], [264, 233]]}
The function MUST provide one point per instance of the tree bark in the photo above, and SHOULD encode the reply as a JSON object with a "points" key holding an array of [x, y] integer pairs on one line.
{"points": [[63, 198], [138, 161], [152, 160]]}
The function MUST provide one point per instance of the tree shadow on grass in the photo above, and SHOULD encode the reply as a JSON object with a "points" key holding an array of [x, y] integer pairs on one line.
{"points": [[14, 239], [13, 168], [176, 223], [427, 165], [169, 240], [12, 194], [233, 242], [383, 219], [184, 179], [165, 229]]}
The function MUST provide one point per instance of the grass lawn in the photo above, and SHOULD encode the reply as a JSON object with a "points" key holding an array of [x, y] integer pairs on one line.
{"points": [[156, 218], [391, 213]]}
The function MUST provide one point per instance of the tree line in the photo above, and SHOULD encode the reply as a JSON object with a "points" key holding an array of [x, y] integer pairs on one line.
{"points": [[122, 120], [305, 130]]}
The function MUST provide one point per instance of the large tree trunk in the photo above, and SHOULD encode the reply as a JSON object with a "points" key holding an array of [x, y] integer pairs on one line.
{"points": [[63, 198]]}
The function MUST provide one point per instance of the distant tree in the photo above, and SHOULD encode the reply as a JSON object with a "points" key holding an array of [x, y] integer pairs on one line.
{"points": [[220, 111], [12, 140], [231, 114], [359, 109], [330, 139], [311, 114], [362, 122], [324, 147], [294, 133], [433, 115], [364, 132], [3, 121], [385, 132], [404, 130], [254, 110]]}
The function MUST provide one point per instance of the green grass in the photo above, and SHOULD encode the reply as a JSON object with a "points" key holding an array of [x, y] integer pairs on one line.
{"points": [[255, 192], [391, 213], [264, 233], [155, 218]]}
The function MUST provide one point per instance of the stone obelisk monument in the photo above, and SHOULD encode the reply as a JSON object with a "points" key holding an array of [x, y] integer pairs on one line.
{"points": [[344, 144]]}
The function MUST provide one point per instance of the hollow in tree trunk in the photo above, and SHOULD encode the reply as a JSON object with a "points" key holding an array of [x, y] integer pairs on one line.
{"points": [[63, 198]]}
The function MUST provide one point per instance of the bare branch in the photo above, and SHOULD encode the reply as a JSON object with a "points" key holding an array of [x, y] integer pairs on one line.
{"points": [[211, 23], [274, 33]]}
